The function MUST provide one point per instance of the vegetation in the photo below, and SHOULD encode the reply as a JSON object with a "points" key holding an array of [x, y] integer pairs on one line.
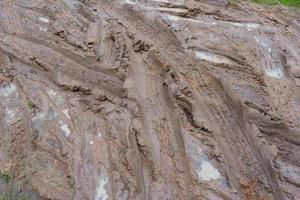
{"points": [[9, 190], [234, 3], [31, 105], [5, 176], [13, 198], [290, 3], [294, 3]]}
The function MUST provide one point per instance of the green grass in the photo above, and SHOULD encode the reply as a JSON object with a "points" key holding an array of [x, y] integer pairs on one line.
{"points": [[9, 189], [14, 198], [234, 2], [31, 105], [5, 176], [294, 3]]}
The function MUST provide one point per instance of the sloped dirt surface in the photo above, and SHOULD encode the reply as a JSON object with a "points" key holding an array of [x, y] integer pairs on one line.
{"points": [[161, 99]]}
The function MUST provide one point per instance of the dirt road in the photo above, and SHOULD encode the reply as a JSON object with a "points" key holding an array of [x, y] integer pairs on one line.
{"points": [[149, 99]]}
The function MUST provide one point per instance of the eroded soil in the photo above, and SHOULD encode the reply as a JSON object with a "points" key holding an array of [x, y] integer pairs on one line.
{"points": [[153, 99]]}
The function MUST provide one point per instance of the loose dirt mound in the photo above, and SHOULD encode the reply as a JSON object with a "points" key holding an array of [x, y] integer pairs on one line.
{"points": [[153, 99]]}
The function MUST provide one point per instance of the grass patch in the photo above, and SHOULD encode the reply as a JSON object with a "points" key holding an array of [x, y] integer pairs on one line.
{"points": [[5, 176], [234, 3], [9, 189], [14, 198], [31, 105], [293, 3]]}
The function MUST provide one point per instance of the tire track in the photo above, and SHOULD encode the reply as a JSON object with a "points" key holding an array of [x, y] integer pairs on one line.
{"points": [[167, 43]]}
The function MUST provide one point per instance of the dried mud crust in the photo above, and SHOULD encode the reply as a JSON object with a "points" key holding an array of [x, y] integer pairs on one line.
{"points": [[153, 99]]}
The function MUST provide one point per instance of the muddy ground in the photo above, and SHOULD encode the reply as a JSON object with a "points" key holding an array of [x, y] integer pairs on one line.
{"points": [[149, 99]]}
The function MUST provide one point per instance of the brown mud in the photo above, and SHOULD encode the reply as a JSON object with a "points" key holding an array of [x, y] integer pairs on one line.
{"points": [[150, 99]]}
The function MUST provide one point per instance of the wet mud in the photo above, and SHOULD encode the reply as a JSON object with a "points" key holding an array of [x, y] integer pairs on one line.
{"points": [[150, 99]]}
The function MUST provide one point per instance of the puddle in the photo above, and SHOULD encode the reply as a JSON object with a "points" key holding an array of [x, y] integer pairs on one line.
{"points": [[204, 169], [101, 193], [273, 68], [58, 100], [10, 102], [128, 2], [212, 57], [43, 29], [52, 93], [161, 1], [161, 9], [274, 73], [175, 10], [65, 128], [99, 135], [176, 18], [173, 17], [10, 115], [43, 19], [264, 43], [176, 2], [208, 172], [66, 113], [72, 4], [44, 118], [8, 90], [41, 119], [248, 26]]}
